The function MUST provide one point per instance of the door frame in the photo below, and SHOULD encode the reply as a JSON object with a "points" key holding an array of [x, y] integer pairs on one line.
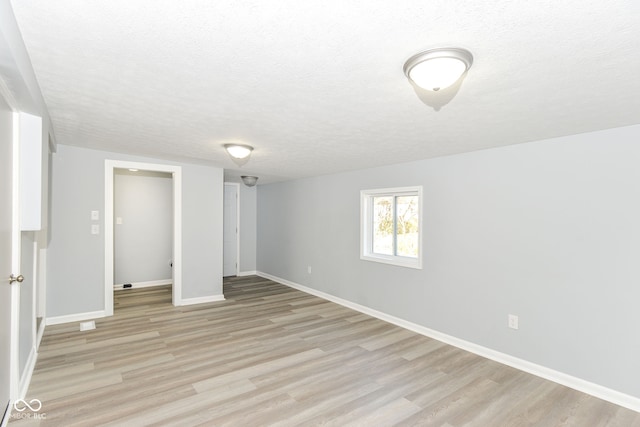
{"points": [[10, 333], [176, 171], [19, 379], [237, 185], [15, 256], [16, 235]]}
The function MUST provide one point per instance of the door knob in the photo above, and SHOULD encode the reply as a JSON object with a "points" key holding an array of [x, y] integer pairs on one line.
{"points": [[18, 279]]}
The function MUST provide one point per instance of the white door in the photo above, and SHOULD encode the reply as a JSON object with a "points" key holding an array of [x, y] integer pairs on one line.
{"points": [[230, 251], [6, 197]]}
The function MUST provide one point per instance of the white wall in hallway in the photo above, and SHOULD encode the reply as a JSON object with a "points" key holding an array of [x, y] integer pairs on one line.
{"points": [[143, 230]]}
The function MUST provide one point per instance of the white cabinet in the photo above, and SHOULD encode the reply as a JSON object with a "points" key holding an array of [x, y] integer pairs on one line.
{"points": [[29, 136]]}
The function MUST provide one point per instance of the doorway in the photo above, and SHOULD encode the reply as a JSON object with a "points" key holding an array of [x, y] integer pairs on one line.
{"points": [[20, 226], [143, 230], [176, 257], [231, 246]]}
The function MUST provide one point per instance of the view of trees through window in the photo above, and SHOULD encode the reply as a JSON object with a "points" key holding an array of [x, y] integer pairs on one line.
{"points": [[395, 225]]}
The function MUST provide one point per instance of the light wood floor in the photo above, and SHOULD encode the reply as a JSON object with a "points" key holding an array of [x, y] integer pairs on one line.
{"points": [[271, 355]]}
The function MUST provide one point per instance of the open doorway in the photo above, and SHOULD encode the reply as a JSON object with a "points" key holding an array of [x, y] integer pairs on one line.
{"points": [[143, 233], [231, 246], [114, 170]]}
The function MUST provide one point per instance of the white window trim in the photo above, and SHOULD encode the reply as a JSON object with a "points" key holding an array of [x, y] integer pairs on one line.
{"points": [[366, 227]]}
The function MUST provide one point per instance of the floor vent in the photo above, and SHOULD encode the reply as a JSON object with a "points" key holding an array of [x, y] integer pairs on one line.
{"points": [[87, 326]]}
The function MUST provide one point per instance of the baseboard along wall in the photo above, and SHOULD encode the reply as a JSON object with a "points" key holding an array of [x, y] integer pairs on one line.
{"points": [[78, 317], [596, 390], [247, 273], [148, 284], [25, 378], [201, 300]]}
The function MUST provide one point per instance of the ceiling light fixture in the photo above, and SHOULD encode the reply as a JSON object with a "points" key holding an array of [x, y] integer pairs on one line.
{"points": [[249, 181], [238, 151], [436, 69]]}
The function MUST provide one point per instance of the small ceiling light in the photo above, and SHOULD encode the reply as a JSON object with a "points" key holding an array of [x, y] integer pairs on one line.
{"points": [[133, 170], [249, 181], [238, 151], [437, 69]]}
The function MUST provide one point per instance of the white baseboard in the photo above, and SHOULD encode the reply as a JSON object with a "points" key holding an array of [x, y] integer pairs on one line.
{"points": [[25, 378], [148, 284], [78, 317], [40, 333], [575, 383], [247, 273], [201, 300]]}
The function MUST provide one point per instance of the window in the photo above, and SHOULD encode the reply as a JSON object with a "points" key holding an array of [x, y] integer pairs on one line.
{"points": [[391, 225]]}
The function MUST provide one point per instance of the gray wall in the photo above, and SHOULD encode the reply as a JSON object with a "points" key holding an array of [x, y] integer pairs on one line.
{"points": [[202, 229], [547, 230], [248, 213], [143, 242], [75, 264]]}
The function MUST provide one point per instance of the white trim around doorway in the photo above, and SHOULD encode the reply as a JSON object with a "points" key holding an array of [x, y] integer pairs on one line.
{"points": [[176, 171]]}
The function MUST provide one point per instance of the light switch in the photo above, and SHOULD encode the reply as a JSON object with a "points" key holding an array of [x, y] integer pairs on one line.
{"points": [[95, 215], [95, 229], [119, 220]]}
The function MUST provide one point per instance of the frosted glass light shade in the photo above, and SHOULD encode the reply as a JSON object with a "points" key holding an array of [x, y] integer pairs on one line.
{"points": [[437, 69], [249, 181], [238, 151]]}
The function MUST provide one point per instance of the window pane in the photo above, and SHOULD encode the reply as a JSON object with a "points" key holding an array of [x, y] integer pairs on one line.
{"points": [[383, 225], [407, 225], [389, 224]]}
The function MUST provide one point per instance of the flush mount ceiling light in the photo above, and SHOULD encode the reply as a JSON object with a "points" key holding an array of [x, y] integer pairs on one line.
{"points": [[436, 69], [249, 181], [238, 151]]}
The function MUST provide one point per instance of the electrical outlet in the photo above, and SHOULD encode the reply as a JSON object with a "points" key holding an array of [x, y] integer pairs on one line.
{"points": [[95, 215], [95, 229], [309, 269], [513, 321]]}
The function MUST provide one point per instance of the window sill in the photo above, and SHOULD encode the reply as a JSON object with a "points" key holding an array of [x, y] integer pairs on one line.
{"points": [[415, 263]]}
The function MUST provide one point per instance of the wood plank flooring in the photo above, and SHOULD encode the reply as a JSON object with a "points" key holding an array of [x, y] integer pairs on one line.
{"points": [[273, 356]]}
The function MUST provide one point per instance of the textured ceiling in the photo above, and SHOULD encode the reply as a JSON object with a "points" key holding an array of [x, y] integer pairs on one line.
{"points": [[317, 86]]}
